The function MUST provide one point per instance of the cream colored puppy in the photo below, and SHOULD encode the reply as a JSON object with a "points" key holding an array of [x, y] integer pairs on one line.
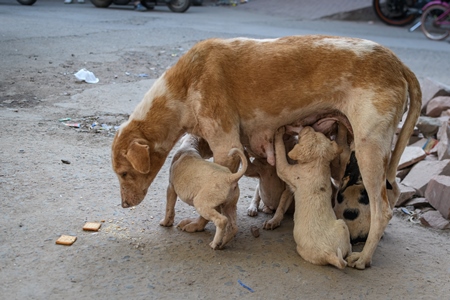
{"points": [[208, 187], [321, 238]]}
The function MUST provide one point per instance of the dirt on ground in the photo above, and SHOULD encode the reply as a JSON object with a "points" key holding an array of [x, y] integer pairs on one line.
{"points": [[54, 177]]}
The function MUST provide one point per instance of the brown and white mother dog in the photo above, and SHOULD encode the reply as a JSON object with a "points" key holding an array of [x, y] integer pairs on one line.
{"points": [[238, 92]]}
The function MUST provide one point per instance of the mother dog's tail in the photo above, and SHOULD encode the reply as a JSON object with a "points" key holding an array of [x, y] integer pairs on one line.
{"points": [[236, 176], [415, 105]]}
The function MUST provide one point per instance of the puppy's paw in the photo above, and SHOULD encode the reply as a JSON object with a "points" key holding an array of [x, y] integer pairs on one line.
{"points": [[166, 222], [267, 210], [215, 246], [252, 211], [358, 261], [190, 225], [271, 224]]}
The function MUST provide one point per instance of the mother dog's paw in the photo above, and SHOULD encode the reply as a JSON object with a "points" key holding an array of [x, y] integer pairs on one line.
{"points": [[358, 261]]}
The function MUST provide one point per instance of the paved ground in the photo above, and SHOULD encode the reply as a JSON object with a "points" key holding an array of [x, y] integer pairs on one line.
{"points": [[305, 9], [41, 47]]}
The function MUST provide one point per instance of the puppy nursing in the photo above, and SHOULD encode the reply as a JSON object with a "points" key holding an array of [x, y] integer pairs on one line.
{"points": [[209, 187], [321, 239], [274, 192]]}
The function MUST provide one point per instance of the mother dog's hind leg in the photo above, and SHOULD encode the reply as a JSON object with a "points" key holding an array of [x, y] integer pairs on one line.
{"points": [[372, 158]]}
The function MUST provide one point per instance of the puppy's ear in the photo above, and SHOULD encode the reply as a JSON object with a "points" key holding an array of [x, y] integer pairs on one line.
{"points": [[299, 154], [139, 157], [336, 149]]}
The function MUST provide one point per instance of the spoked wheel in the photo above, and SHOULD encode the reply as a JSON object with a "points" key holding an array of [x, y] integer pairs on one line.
{"points": [[431, 26], [393, 12]]}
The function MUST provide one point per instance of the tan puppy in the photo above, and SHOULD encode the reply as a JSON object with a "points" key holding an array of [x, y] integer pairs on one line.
{"points": [[208, 187], [274, 192], [236, 93], [321, 238]]}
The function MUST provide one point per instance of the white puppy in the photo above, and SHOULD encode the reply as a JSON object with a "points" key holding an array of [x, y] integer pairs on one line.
{"points": [[321, 238]]}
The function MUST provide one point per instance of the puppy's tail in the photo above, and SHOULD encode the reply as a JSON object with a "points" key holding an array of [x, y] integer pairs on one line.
{"points": [[236, 176], [338, 260]]}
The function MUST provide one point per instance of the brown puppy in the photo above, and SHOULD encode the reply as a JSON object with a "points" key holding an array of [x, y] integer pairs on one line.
{"points": [[208, 187], [274, 192], [236, 93], [321, 238]]}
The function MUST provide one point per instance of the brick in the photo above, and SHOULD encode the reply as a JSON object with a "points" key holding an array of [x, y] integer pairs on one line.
{"points": [[419, 143], [432, 89], [423, 171], [434, 219], [401, 174], [446, 113], [437, 193], [406, 193], [443, 147], [417, 202], [410, 156], [438, 105]]}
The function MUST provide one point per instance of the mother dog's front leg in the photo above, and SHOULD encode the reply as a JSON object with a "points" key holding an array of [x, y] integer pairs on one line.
{"points": [[220, 146]]}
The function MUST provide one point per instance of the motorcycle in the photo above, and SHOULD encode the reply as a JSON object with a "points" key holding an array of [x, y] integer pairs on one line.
{"points": [[178, 6], [398, 12]]}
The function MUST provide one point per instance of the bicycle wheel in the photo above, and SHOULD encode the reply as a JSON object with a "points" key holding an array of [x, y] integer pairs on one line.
{"points": [[394, 12], [430, 27]]}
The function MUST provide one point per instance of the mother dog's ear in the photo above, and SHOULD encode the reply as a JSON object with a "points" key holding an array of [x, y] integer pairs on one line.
{"points": [[139, 157]]}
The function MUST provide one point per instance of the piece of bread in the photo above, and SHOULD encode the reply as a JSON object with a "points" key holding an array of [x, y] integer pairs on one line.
{"points": [[66, 240], [92, 226]]}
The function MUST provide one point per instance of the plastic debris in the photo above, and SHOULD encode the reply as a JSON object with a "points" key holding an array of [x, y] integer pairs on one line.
{"points": [[406, 211], [96, 124], [106, 127], [74, 125], [413, 216], [85, 75], [64, 119], [93, 125], [245, 286], [431, 142]]}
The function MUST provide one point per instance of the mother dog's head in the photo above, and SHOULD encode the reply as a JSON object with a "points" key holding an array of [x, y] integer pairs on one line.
{"points": [[136, 162]]}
